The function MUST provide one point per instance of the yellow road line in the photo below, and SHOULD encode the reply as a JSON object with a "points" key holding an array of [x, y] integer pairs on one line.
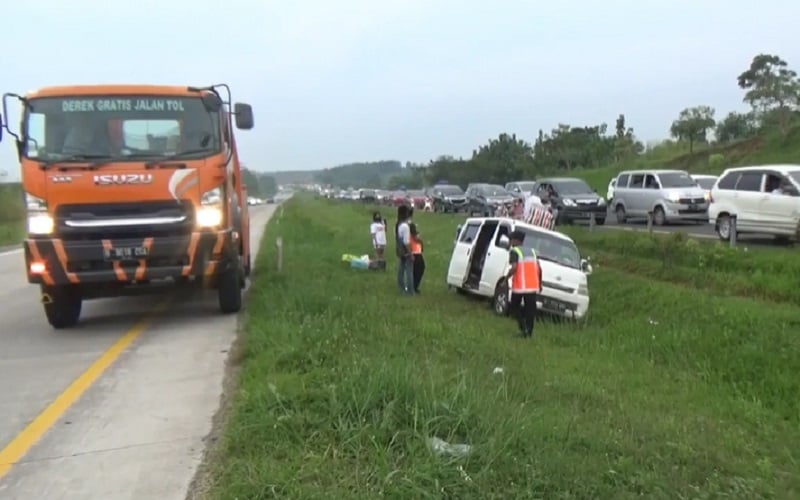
{"points": [[43, 422]]}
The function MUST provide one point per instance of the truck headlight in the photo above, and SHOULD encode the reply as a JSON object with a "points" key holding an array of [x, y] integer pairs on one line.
{"points": [[209, 214], [39, 221], [583, 289], [674, 198]]}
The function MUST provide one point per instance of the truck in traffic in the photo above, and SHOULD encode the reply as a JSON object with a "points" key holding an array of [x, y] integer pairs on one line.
{"points": [[128, 188]]}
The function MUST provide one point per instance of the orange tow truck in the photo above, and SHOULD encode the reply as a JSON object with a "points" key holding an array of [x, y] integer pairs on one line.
{"points": [[129, 188]]}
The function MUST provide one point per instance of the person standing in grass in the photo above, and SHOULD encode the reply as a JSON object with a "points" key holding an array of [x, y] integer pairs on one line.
{"points": [[405, 268], [525, 274], [378, 231], [416, 251]]}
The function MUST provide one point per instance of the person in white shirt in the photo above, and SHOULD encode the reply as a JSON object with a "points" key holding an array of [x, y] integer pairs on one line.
{"points": [[378, 231], [531, 203], [405, 268]]}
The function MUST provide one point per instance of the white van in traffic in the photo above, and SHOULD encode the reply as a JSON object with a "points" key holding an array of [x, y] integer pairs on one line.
{"points": [[479, 264]]}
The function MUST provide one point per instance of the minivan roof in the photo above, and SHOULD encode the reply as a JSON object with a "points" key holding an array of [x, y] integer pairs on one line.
{"points": [[653, 171], [518, 223], [783, 168]]}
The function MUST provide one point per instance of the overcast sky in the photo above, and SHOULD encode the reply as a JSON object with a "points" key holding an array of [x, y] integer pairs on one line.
{"points": [[333, 82]]}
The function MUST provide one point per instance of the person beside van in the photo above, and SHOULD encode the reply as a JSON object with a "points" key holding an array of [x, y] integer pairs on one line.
{"points": [[416, 251], [526, 282], [405, 268], [378, 231]]}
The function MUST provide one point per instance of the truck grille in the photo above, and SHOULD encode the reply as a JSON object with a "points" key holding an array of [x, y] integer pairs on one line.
{"points": [[124, 220]]}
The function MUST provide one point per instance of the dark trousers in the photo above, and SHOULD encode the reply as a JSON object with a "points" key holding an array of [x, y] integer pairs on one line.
{"points": [[419, 270], [524, 307]]}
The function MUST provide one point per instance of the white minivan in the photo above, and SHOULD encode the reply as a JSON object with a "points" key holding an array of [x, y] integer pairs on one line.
{"points": [[765, 199], [479, 264]]}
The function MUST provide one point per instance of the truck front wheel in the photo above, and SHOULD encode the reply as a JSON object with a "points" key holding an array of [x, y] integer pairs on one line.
{"points": [[62, 305], [229, 288]]}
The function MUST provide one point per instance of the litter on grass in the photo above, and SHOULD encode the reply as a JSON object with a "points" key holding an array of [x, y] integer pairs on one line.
{"points": [[442, 447]]}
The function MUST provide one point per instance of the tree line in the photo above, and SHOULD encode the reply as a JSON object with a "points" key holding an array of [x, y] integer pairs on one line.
{"points": [[771, 89]]}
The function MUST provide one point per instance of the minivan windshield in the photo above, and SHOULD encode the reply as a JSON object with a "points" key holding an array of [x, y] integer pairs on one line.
{"points": [[706, 182], [676, 180], [449, 190], [552, 248], [572, 186], [118, 127], [526, 187], [494, 190]]}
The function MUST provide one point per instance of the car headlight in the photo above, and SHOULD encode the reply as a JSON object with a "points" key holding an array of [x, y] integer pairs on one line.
{"points": [[601, 201], [707, 196], [583, 289], [209, 214], [568, 202], [39, 221], [674, 198]]}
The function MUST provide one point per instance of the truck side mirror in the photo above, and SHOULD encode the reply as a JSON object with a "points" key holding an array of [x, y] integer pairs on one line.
{"points": [[244, 115], [586, 267], [504, 242]]}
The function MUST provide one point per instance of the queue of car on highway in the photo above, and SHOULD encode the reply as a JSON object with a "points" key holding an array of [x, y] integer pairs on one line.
{"points": [[753, 199]]}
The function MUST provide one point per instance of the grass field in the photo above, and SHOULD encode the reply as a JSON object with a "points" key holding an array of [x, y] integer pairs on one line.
{"points": [[11, 214], [666, 392]]}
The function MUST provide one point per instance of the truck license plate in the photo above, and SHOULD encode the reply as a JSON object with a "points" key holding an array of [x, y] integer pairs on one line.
{"points": [[125, 253]]}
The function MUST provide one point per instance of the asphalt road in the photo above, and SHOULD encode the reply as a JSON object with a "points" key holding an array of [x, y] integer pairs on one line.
{"points": [[117, 408], [701, 231]]}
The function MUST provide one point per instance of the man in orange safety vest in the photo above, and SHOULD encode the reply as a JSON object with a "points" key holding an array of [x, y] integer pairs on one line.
{"points": [[526, 281]]}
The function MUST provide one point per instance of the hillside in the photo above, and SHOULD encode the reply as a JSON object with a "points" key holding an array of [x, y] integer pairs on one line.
{"points": [[768, 148]]}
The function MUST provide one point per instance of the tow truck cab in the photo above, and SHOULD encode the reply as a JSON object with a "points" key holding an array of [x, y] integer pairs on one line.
{"points": [[128, 187]]}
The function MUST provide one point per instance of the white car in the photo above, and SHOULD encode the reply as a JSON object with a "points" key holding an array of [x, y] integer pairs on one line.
{"points": [[479, 264], [764, 199]]}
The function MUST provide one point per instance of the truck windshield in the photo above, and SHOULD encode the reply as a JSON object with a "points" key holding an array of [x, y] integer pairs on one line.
{"points": [[119, 128], [552, 248]]}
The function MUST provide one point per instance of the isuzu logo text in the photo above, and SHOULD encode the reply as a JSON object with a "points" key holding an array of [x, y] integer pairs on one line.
{"points": [[117, 179]]}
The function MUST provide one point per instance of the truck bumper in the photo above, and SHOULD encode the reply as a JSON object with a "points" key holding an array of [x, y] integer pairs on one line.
{"points": [[54, 262]]}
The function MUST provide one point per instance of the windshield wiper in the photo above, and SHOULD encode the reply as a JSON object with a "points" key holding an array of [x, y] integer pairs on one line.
{"points": [[94, 160], [174, 156]]}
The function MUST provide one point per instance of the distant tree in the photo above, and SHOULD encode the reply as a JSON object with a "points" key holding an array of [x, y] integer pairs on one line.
{"points": [[625, 143], [735, 126], [250, 179], [772, 88], [693, 125], [268, 185]]}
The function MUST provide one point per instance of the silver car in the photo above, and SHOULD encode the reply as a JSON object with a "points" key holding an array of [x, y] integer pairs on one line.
{"points": [[669, 195]]}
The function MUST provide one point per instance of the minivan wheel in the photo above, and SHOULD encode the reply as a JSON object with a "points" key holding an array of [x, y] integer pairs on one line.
{"points": [[620, 213], [659, 217], [724, 227], [500, 300]]}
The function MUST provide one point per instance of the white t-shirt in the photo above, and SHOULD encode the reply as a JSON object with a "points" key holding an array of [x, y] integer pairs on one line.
{"points": [[404, 233], [532, 202], [378, 233]]}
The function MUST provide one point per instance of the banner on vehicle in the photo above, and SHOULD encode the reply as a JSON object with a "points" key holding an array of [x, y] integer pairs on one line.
{"points": [[542, 217]]}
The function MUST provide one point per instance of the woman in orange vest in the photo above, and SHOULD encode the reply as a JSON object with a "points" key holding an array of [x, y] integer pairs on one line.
{"points": [[416, 251], [526, 281]]}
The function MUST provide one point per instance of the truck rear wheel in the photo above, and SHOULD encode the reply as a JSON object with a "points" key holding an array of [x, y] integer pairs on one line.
{"points": [[229, 288], [62, 306]]}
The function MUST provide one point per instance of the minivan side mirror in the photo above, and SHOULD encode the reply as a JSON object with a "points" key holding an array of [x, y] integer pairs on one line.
{"points": [[504, 242], [458, 231], [586, 267]]}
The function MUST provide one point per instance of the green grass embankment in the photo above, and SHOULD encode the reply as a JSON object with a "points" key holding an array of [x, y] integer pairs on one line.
{"points": [[665, 392], [771, 274], [771, 147], [11, 214]]}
